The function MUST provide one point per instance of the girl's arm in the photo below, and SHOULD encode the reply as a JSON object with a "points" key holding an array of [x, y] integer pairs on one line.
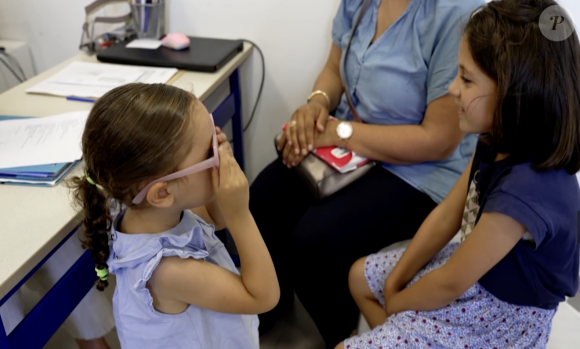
{"points": [[490, 241], [435, 232], [209, 286], [212, 287], [211, 214]]}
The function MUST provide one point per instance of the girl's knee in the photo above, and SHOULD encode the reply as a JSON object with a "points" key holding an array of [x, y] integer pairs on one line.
{"points": [[357, 282], [340, 346]]}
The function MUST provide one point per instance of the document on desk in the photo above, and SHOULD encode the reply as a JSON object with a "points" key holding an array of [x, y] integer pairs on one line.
{"points": [[84, 79], [43, 140]]}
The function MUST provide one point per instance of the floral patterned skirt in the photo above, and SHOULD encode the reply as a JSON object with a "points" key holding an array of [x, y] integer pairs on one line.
{"points": [[476, 320]]}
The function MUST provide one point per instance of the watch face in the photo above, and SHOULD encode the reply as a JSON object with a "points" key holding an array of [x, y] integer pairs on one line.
{"points": [[344, 130]]}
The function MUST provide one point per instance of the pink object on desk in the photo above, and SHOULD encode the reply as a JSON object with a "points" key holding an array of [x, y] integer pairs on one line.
{"points": [[175, 41]]}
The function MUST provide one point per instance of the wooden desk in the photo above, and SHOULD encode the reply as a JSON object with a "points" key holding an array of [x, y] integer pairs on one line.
{"points": [[36, 221]]}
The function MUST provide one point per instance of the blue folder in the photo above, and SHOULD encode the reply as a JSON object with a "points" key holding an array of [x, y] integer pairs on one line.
{"points": [[40, 174], [41, 171]]}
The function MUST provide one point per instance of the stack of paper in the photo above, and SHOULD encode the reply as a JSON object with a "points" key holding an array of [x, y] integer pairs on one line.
{"points": [[84, 79], [40, 151]]}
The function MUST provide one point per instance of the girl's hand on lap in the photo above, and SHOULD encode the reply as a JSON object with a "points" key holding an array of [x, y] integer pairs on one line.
{"points": [[389, 294]]}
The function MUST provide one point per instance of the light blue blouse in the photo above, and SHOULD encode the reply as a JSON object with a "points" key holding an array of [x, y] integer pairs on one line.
{"points": [[133, 260], [412, 63]]}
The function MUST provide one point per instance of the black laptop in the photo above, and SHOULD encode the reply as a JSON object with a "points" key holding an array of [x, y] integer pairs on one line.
{"points": [[203, 54]]}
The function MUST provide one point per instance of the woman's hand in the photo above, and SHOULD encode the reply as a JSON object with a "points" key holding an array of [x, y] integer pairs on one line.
{"points": [[301, 130], [289, 157], [326, 138]]}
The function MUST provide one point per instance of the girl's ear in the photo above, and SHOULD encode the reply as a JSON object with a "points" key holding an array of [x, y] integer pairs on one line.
{"points": [[160, 196]]}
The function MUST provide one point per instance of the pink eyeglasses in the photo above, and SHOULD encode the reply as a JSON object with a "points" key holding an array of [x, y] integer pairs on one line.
{"points": [[214, 161]]}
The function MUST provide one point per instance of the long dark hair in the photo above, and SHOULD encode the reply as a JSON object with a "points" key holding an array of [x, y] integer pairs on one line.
{"points": [[133, 134], [538, 98]]}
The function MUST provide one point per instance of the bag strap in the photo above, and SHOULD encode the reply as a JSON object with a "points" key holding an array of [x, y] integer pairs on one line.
{"points": [[88, 31], [357, 21], [96, 5]]}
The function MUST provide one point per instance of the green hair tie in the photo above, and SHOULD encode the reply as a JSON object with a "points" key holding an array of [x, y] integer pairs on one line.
{"points": [[90, 180], [102, 273]]}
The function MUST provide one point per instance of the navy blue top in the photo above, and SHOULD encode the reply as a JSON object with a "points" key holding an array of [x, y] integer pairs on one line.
{"points": [[541, 272]]}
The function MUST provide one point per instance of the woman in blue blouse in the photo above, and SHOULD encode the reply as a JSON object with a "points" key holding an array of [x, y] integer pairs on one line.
{"points": [[402, 58]]}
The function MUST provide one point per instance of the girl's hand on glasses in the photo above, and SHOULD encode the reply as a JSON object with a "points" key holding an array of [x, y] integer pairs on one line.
{"points": [[222, 139], [230, 185]]}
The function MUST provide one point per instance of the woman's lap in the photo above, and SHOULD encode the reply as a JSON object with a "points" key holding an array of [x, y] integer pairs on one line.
{"points": [[477, 319], [374, 211], [314, 244]]}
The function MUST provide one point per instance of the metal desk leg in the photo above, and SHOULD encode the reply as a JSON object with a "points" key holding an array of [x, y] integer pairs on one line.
{"points": [[3, 338], [237, 124], [53, 309]]}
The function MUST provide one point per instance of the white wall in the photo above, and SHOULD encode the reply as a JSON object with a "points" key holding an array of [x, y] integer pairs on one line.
{"points": [[295, 38], [573, 6], [52, 28]]}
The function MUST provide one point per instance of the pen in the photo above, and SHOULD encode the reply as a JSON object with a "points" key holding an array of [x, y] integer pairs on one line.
{"points": [[78, 99], [146, 16]]}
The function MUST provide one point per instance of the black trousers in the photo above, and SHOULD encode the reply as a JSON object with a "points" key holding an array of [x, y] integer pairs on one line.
{"points": [[313, 245]]}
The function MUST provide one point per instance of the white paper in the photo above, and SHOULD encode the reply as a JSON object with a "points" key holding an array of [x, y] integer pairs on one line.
{"points": [[148, 44], [43, 140], [93, 80], [98, 78]]}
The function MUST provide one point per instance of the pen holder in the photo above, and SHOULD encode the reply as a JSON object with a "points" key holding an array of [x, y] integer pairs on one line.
{"points": [[148, 18]]}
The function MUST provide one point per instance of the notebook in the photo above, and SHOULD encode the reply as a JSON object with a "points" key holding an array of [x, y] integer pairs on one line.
{"points": [[203, 54], [342, 160]]}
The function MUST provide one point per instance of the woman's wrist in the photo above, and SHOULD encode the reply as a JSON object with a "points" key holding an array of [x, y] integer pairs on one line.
{"points": [[321, 100], [329, 137]]}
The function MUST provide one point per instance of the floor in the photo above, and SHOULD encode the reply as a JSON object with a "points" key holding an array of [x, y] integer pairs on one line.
{"points": [[297, 331]]}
